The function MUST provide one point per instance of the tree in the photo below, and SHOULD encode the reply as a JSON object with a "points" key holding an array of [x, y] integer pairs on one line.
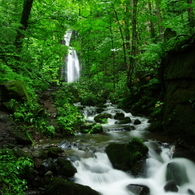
{"points": [[27, 6]]}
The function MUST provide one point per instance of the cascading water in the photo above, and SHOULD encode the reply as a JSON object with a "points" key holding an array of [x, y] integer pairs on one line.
{"points": [[72, 61], [94, 168]]}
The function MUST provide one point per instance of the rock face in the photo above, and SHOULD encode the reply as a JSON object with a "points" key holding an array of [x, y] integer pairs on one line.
{"points": [[177, 74]]}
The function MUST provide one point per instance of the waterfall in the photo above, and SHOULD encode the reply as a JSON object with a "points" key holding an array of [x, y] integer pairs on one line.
{"points": [[72, 61]]}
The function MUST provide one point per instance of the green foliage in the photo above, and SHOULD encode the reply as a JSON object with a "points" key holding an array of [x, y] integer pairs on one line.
{"points": [[68, 116], [33, 116], [12, 173], [157, 109]]}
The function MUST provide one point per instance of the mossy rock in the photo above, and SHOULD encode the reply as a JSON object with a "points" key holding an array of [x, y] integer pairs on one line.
{"points": [[102, 118], [21, 137], [119, 116], [55, 152], [125, 120], [91, 128], [59, 186], [20, 153], [66, 167], [15, 90], [85, 128], [97, 128], [124, 156]]}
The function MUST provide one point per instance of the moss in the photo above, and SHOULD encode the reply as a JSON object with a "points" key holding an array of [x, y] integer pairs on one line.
{"points": [[60, 186], [54, 152], [101, 118], [66, 167], [123, 156], [17, 90]]}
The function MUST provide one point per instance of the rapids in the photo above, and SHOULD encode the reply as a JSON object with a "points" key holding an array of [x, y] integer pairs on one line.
{"points": [[94, 168]]}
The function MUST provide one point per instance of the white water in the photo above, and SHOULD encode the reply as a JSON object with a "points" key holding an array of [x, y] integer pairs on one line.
{"points": [[72, 61], [95, 169]]}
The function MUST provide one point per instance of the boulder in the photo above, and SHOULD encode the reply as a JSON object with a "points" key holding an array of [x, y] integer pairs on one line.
{"points": [[124, 156], [48, 165], [137, 122], [20, 137], [91, 128], [97, 128], [39, 153], [125, 120], [66, 168], [102, 118], [14, 90], [138, 189], [177, 173], [55, 152], [119, 116], [171, 186], [191, 192], [62, 187]]}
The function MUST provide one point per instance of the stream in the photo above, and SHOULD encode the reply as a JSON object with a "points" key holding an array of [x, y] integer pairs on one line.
{"points": [[94, 168]]}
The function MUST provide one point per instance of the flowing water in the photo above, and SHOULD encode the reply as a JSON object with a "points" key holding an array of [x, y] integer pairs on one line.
{"points": [[72, 61], [95, 169]]}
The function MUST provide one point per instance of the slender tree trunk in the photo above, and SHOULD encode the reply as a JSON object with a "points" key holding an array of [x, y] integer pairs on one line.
{"points": [[27, 6], [134, 40], [122, 37], [152, 29], [190, 13], [158, 13]]}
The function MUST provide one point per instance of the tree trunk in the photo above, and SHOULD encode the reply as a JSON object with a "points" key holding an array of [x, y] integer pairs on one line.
{"points": [[27, 6], [190, 13], [152, 29], [158, 13], [134, 49]]}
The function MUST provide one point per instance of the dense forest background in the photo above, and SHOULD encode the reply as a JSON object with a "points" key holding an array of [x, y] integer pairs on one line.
{"points": [[121, 46]]}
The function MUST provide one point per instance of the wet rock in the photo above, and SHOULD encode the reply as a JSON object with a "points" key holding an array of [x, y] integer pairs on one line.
{"points": [[102, 118], [55, 152], [190, 192], [91, 128], [20, 137], [171, 186], [20, 153], [119, 116], [66, 168], [37, 162], [49, 174], [39, 153], [137, 122], [48, 165], [97, 128], [138, 189], [63, 187], [125, 120], [124, 156], [177, 173], [137, 169], [65, 144]]}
